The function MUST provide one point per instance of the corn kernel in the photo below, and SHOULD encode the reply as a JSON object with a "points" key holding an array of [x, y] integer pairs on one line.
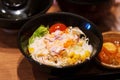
{"points": [[71, 55], [76, 56], [84, 56], [87, 53], [31, 50], [71, 61]]}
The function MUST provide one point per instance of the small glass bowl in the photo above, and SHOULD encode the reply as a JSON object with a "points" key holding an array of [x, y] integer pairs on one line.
{"points": [[113, 37]]}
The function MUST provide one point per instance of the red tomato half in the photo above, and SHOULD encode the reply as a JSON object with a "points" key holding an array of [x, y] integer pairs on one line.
{"points": [[57, 26]]}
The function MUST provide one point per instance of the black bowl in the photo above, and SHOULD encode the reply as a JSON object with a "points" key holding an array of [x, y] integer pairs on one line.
{"points": [[68, 19], [91, 9], [14, 13]]}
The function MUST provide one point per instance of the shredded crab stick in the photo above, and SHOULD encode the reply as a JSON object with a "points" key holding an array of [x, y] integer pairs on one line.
{"points": [[59, 45]]}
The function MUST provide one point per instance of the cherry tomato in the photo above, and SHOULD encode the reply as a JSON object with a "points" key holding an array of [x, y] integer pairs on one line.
{"points": [[57, 26]]}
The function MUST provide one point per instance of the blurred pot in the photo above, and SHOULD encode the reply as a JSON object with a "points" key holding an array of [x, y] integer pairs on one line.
{"points": [[91, 9]]}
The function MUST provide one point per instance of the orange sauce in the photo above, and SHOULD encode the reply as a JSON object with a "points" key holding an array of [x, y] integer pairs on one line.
{"points": [[110, 53]]}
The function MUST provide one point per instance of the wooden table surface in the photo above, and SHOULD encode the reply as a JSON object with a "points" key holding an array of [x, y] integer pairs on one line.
{"points": [[13, 65]]}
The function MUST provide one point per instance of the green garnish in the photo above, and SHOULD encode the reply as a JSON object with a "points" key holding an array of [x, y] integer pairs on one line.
{"points": [[39, 32]]}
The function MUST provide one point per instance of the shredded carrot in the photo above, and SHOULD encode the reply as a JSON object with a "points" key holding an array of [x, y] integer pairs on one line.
{"points": [[66, 31], [68, 43]]}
